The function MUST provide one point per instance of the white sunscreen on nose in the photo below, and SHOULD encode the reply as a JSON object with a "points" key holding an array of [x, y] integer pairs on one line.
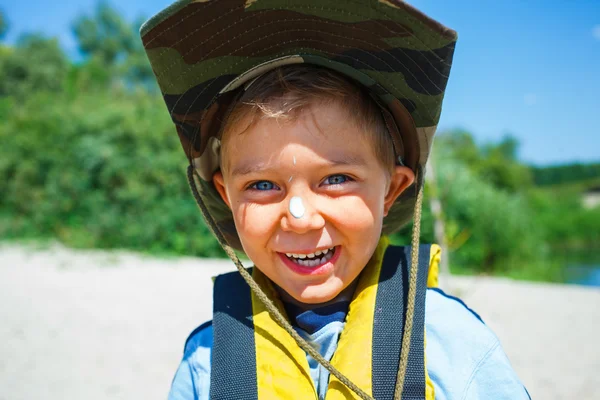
{"points": [[296, 207]]}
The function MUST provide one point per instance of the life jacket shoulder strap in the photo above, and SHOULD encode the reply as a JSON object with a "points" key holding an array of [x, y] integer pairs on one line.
{"points": [[233, 362], [388, 324]]}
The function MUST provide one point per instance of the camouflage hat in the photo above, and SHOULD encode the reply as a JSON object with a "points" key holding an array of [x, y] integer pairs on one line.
{"points": [[204, 51]]}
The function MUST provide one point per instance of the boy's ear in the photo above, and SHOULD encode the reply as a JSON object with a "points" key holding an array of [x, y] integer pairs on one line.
{"points": [[402, 177], [219, 183]]}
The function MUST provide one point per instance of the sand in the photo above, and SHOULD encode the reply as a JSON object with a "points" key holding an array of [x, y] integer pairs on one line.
{"points": [[97, 325]]}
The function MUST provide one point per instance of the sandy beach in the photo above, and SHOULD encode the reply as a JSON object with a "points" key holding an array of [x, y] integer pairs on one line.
{"points": [[98, 325]]}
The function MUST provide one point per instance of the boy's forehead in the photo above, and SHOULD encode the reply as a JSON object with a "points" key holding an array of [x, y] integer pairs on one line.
{"points": [[326, 131], [323, 121], [316, 112]]}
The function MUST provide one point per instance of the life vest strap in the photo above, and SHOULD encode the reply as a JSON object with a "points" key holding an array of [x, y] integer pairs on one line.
{"points": [[388, 326], [233, 362]]}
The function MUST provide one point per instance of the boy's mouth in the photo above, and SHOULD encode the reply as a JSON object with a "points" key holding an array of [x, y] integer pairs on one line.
{"points": [[312, 260]]}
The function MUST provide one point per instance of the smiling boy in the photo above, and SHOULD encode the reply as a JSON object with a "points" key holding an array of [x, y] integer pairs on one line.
{"points": [[307, 125], [315, 142]]}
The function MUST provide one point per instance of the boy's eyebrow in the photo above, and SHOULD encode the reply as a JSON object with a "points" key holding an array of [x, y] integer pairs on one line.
{"points": [[347, 159], [249, 168], [254, 167]]}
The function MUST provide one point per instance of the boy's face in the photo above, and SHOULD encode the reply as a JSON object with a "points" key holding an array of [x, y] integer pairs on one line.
{"points": [[325, 160]]}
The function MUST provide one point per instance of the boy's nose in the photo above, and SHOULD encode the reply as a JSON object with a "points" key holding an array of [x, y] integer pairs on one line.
{"points": [[310, 219]]}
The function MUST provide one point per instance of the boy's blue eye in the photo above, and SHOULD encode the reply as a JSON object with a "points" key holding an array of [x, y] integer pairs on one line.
{"points": [[336, 179], [262, 185]]}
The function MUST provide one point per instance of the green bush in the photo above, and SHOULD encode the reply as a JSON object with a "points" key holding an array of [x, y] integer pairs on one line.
{"points": [[567, 224], [499, 227], [98, 170]]}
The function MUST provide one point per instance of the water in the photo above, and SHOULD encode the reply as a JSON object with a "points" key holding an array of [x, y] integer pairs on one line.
{"points": [[587, 275], [583, 267]]}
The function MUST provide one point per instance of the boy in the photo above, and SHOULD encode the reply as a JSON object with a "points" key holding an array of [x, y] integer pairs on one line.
{"points": [[307, 125]]}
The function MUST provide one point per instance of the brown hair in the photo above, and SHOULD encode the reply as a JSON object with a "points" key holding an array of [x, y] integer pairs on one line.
{"points": [[285, 91]]}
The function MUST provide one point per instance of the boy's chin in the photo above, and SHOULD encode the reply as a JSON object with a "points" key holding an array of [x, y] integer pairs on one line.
{"points": [[316, 299], [313, 295]]}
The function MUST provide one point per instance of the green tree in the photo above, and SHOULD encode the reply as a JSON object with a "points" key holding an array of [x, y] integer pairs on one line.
{"points": [[35, 64], [113, 50], [136, 68], [492, 230], [501, 167], [461, 145], [105, 35], [100, 169], [567, 173], [3, 25], [496, 163]]}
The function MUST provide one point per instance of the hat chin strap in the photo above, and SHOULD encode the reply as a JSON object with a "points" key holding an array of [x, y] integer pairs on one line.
{"points": [[412, 287], [282, 321]]}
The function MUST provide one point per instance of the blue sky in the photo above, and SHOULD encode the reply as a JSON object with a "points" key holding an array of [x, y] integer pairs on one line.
{"points": [[530, 68]]}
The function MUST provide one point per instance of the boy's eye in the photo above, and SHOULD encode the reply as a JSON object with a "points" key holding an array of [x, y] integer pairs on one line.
{"points": [[336, 179], [262, 185]]}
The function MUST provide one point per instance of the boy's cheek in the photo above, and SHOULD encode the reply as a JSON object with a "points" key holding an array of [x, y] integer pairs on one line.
{"points": [[255, 219], [355, 213]]}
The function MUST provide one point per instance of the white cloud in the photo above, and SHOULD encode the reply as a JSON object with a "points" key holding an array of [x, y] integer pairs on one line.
{"points": [[530, 99], [596, 32]]}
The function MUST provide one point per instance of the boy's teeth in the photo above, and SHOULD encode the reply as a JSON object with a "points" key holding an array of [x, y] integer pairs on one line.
{"points": [[309, 260]]}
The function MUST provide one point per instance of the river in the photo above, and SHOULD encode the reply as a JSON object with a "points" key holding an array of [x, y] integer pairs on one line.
{"points": [[583, 267]]}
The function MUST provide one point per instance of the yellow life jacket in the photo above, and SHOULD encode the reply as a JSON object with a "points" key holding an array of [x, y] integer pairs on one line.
{"points": [[255, 358]]}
